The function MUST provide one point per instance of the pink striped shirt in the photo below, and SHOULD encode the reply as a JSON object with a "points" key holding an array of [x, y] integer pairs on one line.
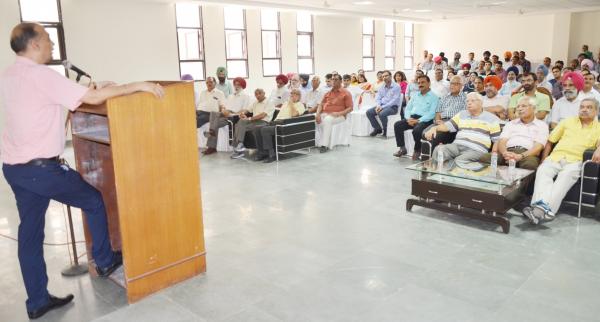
{"points": [[34, 97]]}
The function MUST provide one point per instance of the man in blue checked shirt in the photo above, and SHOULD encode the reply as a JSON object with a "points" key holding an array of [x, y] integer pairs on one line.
{"points": [[388, 101]]}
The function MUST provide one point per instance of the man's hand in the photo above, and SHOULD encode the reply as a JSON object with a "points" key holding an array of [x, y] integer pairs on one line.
{"points": [[103, 84], [318, 118], [431, 133], [243, 116], [596, 156], [378, 109], [152, 88], [226, 113], [439, 122]]}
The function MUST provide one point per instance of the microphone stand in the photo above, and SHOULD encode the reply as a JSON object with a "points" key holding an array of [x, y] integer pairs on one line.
{"points": [[75, 269]]}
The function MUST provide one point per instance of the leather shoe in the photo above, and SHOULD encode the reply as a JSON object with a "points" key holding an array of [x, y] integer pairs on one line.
{"points": [[116, 263], [209, 151], [375, 132], [401, 152], [53, 303], [270, 159], [416, 156]]}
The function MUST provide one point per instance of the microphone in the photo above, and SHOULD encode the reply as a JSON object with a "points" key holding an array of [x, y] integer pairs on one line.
{"points": [[76, 69]]}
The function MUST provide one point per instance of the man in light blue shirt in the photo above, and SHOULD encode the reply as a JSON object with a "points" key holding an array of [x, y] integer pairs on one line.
{"points": [[418, 114], [388, 100]]}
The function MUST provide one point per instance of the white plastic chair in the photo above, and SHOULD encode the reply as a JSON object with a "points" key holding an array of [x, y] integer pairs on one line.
{"points": [[222, 140], [341, 133], [360, 123]]}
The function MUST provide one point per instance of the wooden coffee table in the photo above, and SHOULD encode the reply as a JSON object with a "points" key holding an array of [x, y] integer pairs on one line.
{"points": [[481, 194]]}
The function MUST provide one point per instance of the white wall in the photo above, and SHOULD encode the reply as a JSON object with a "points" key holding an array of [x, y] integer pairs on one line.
{"points": [[9, 17], [585, 29]]}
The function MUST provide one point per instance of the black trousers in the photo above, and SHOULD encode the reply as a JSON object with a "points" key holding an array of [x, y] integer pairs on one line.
{"points": [[402, 125], [440, 137], [265, 138], [202, 117]]}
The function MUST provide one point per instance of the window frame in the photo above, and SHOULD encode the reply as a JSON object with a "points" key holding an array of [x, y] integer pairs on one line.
{"points": [[278, 44], [244, 44], [311, 34], [200, 43], [60, 32], [372, 36], [393, 49], [412, 49]]}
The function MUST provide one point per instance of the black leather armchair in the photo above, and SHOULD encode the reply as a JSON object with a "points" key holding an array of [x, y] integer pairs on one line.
{"points": [[586, 191]]}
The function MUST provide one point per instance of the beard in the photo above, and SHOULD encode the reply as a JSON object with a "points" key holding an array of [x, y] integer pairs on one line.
{"points": [[570, 94], [221, 79], [527, 87]]}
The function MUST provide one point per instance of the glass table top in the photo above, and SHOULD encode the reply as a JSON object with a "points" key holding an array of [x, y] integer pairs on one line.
{"points": [[473, 171]]}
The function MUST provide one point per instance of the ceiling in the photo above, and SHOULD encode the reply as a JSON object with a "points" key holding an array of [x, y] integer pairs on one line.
{"points": [[419, 10]]}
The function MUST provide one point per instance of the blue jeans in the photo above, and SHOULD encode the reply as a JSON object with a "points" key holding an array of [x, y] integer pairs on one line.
{"points": [[383, 116], [34, 187]]}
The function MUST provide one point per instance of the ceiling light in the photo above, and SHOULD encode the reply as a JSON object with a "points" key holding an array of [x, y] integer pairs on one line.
{"points": [[363, 3], [406, 10], [423, 10]]}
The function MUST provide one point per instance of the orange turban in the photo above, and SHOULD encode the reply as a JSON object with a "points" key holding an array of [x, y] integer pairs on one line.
{"points": [[495, 80], [507, 54]]}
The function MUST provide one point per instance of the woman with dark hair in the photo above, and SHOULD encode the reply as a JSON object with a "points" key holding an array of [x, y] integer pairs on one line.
{"points": [[400, 79]]}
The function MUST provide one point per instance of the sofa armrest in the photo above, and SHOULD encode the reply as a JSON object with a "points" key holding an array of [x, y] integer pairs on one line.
{"points": [[297, 119]]}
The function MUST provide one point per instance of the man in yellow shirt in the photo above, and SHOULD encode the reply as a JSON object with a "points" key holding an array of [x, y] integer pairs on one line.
{"points": [[570, 139]]}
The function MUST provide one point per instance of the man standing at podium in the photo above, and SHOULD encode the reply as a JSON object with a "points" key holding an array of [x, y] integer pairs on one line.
{"points": [[34, 97]]}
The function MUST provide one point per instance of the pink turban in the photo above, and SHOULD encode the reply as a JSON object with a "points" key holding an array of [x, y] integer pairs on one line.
{"points": [[240, 81], [437, 59], [575, 77], [588, 62]]}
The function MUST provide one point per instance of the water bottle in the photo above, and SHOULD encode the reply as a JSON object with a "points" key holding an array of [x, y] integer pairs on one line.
{"points": [[511, 167], [494, 163], [440, 159]]}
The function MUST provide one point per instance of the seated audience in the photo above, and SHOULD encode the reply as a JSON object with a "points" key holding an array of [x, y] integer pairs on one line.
{"points": [[305, 84], [400, 79], [524, 62], [492, 102], [427, 65], [210, 100], [515, 62], [470, 83], [522, 139], [223, 85], [472, 63], [456, 64], [413, 87], [439, 63], [328, 83], [265, 134], [439, 86], [379, 81], [585, 50], [562, 159], [313, 98], [528, 82], [418, 115], [478, 85], [499, 71], [476, 131], [447, 108], [336, 104], [236, 102], [511, 83], [262, 113], [388, 101], [568, 105]]}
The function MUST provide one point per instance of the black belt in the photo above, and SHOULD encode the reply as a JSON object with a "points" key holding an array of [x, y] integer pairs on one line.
{"points": [[43, 161], [517, 147]]}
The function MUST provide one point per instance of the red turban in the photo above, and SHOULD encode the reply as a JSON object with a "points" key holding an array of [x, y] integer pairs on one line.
{"points": [[240, 81], [437, 59], [282, 78], [495, 80], [466, 65], [575, 77]]}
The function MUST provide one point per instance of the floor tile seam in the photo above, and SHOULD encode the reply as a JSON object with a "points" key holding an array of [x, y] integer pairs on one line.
{"points": [[180, 306]]}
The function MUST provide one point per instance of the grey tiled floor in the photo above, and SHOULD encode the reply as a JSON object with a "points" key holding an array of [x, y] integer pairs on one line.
{"points": [[326, 237]]}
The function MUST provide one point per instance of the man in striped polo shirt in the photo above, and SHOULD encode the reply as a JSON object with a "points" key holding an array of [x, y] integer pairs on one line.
{"points": [[476, 131]]}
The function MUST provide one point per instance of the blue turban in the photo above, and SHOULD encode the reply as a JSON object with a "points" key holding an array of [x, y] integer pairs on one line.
{"points": [[513, 69], [543, 68]]}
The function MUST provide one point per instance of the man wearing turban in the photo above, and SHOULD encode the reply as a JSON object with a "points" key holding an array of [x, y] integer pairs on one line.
{"points": [[492, 102], [568, 105], [223, 84], [280, 94], [542, 72], [511, 83]]}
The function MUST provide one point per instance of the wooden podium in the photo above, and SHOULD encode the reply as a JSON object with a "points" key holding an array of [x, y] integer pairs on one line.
{"points": [[141, 153]]}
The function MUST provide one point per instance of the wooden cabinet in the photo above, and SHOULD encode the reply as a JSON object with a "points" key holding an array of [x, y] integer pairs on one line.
{"points": [[141, 153]]}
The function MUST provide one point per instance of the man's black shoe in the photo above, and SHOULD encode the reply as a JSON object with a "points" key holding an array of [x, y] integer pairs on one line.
{"points": [[53, 303], [375, 132], [116, 263], [261, 157], [270, 159]]}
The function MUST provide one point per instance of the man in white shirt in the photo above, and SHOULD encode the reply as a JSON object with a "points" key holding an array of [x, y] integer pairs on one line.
{"points": [[588, 90], [313, 98], [262, 113], [236, 102], [281, 93], [439, 86], [492, 102], [210, 100], [568, 105]]}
